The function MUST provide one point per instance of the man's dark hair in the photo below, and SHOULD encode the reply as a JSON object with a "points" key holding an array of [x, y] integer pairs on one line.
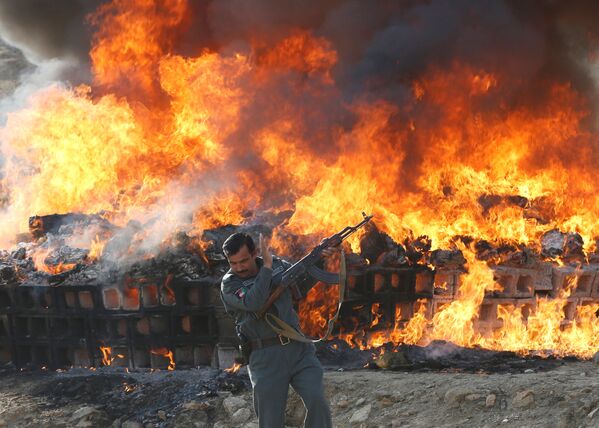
{"points": [[235, 242]]}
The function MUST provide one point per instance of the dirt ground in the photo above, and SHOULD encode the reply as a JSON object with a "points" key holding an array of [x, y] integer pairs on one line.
{"points": [[567, 395]]}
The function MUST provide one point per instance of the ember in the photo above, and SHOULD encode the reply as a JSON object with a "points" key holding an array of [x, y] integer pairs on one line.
{"points": [[163, 352], [234, 368], [107, 357]]}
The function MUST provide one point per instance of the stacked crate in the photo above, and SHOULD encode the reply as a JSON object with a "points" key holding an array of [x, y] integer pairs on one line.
{"points": [[388, 293], [580, 284], [413, 288], [7, 308], [522, 287], [139, 322]]}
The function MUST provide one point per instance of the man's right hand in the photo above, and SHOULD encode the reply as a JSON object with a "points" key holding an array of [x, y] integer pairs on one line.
{"points": [[266, 256]]}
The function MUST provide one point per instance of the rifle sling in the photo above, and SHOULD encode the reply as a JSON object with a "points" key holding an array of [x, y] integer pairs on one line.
{"points": [[282, 328]]}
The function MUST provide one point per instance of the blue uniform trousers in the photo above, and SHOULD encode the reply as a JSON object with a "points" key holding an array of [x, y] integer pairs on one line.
{"points": [[273, 369]]}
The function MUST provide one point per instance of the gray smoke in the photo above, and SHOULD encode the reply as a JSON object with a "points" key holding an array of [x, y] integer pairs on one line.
{"points": [[388, 42], [47, 29], [48, 43]]}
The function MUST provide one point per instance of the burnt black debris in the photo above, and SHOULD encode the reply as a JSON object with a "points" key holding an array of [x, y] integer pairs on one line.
{"points": [[138, 295], [505, 254], [447, 259], [380, 249], [194, 257], [570, 246], [437, 356], [89, 274], [185, 266], [552, 243], [66, 255], [137, 395], [574, 248], [374, 243], [417, 248], [64, 223], [488, 201], [124, 252]]}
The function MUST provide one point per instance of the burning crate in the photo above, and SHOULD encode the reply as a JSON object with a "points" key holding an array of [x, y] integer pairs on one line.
{"points": [[519, 282], [402, 282], [490, 316], [447, 281], [580, 282]]}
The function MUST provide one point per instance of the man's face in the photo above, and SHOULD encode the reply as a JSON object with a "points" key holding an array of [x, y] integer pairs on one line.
{"points": [[243, 262]]}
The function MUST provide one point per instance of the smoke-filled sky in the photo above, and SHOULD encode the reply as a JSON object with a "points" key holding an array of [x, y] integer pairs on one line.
{"points": [[380, 44]]}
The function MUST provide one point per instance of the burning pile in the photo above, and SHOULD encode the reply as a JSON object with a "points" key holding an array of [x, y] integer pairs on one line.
{"points": [[502, 298], [474, 152]]}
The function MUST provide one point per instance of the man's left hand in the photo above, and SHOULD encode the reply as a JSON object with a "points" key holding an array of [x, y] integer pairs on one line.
{"points": [[329, 252]]}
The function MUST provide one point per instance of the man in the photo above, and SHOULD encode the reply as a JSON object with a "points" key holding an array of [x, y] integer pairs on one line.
{"points": [[275, 361]]}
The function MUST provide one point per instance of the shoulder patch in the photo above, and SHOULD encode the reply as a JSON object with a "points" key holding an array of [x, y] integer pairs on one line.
{"points": [[241, 292]]}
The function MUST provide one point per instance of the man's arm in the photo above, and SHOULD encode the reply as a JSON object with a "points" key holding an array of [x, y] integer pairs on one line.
{"points": [[247, 295]]}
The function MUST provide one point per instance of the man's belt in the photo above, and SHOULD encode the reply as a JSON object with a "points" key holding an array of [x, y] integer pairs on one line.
{"points": [[271, 341]]}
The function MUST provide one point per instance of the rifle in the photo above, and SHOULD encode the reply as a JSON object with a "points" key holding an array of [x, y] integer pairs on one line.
{"points": [[307, 264]]}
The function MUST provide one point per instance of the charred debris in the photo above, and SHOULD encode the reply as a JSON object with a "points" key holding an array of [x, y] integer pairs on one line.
{"points": [[53, 240]]}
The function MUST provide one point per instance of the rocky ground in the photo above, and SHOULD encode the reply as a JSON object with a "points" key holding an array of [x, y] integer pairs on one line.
{"points": [[565, 395]]}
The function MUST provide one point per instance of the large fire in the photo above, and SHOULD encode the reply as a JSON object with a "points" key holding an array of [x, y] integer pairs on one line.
{"points": [[263, 128]]}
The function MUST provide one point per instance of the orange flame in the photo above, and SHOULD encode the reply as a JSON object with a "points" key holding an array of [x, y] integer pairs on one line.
{"points": [[131, 38], [376, 316], [39, 261], [164, 352], [234, 368], [95, 251], [107, 357], [552, 326]]}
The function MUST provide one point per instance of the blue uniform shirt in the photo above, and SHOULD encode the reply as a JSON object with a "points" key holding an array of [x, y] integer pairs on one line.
{"points": [[243, 297]]}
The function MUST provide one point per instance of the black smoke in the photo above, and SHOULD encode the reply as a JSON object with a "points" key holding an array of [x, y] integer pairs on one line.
{"points": [[47, 29], [380, 44]]}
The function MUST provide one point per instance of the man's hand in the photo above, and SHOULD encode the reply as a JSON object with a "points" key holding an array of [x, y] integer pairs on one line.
{"points": [[266, 256], [329, 252]]}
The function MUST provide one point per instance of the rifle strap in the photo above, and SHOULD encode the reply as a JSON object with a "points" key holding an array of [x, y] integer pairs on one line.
{"points": [[282, 328]]}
